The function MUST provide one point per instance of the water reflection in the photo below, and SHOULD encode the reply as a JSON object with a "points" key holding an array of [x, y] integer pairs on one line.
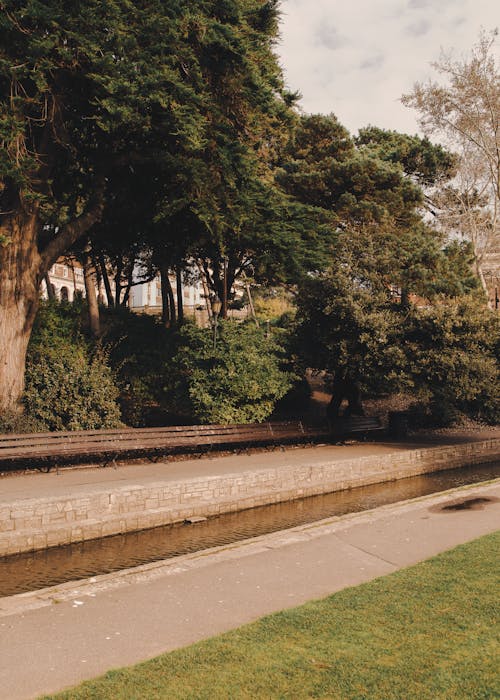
{"points": [[27, 572]]}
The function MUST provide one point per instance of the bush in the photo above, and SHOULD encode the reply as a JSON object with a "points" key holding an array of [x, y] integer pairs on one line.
{"points": [[68, 385], [238, 382], [20, 423], [453, 362], [140, 352]]}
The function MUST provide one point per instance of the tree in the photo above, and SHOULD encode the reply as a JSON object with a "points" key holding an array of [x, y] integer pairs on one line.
{"points": [[452, 359], [464, 111], [422, 161], [440, 345], [85, 89], [352, 185], [384, 258], [187, 93]]}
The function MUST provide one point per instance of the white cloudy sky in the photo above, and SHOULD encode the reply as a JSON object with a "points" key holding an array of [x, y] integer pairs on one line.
{"points": [[355, 58]]}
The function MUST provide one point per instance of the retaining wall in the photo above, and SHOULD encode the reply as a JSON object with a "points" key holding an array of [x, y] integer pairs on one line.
{"points": [[38, 523]]}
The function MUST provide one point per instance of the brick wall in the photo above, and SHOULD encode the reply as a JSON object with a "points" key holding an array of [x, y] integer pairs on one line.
{"points": [[30, 524]]}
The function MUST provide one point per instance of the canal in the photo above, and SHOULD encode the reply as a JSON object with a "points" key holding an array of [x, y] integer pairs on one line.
{"points": [[31, 571]]}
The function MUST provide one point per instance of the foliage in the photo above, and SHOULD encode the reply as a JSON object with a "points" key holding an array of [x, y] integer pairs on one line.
{"points": [[160, 120], [462, 109], [352, 185], [422, 632], [68, 385], [347, 328], [352, 323], [417, 157], [271, 303], [140, 351], [20, 423], [451, 351], [386, 261], [238, 382]]}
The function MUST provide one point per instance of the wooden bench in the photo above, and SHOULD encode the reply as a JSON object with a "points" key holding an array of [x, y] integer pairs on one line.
{"points": [[345, 427], [46, 450]]}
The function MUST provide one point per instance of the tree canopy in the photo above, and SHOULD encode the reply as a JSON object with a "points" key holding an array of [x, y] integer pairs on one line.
{"points": [[462, 109], [187, 95]]}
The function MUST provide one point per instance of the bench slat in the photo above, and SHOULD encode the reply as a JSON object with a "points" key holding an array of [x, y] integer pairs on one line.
{"points": [[118, 434], [80, 446], [137, 437], [135, 444]]}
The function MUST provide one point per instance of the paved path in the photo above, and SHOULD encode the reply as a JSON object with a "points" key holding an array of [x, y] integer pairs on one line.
{"points": [[54, 639], [71, 482]]}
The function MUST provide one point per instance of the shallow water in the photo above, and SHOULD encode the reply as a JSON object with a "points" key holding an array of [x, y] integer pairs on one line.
{"points": [[27, 572]]}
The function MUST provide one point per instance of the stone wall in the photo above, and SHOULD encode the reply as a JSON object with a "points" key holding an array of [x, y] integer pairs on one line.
{"points": [[37, 523]]}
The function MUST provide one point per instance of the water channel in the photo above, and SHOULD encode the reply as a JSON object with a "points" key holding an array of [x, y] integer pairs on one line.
{"points": [[34, 570]]}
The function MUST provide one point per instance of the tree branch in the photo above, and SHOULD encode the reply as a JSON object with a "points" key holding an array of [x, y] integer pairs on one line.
{"points": [[75, 229]]}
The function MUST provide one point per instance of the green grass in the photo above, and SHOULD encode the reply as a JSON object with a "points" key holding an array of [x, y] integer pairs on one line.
{"points": [[424, 632]]}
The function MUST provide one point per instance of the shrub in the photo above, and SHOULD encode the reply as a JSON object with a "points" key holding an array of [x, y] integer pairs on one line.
{"points": [[238, 382], [140, 352], [20, 423], [454, 363], [68, 385]]}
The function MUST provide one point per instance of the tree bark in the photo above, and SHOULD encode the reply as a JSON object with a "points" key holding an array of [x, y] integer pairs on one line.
{"points": [[167, 296], [206, 291], [118, 282], [130, 284], [24, 262], [107, 283], [20, 280], [180, 303], [224, 287], [50, 289], [89, 278]]}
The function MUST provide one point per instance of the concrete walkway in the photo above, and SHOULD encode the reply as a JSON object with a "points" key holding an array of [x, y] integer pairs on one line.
{"points": [[53, 639], [71, 482]]}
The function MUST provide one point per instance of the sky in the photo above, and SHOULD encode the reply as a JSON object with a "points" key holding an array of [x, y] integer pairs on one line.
{"points": [[356, 58]]}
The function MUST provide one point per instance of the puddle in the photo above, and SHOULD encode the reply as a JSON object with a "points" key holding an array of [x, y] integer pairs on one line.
{"points": [[468, 504]]}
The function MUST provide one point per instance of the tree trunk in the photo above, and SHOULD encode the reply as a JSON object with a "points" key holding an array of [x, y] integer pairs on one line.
{"points": [[23, 265], [19, 300], [50, 289], [130, 282], [118, 282], [90, 290], [250, 304], [165, 304], [105, 279], [180, 304], [206, 291], [167, 295], [224, 287]]}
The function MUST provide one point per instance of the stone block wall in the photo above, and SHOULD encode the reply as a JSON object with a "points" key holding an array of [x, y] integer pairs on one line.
{"points": [[31, 524]]}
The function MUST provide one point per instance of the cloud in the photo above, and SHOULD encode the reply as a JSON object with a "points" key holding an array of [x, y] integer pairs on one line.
{"points": [[418, 4], [328, 36], [357, 58], [458, 21], [419, 28], [373, 62]]}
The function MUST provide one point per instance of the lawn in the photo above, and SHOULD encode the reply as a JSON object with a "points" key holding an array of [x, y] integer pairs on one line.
{"points": [[424, 632]]}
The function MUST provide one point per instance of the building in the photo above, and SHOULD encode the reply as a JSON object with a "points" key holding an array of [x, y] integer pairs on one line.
{"points": [[66, 280]]}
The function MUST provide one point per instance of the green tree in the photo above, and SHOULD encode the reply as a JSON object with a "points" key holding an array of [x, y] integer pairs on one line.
{"points": [[85, 89], [440, 344], [453, 360], [385, 260], [189, 94]]}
